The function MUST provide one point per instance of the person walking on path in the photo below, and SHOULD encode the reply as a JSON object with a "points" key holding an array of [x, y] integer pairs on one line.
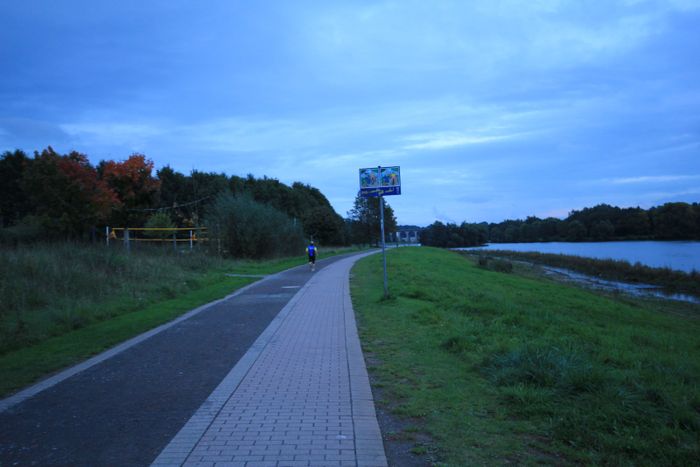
{"points": [[312, 251]]}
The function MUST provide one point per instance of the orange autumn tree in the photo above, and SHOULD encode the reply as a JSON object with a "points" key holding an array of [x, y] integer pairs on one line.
{"points": [[68, 197], [136, 189]]}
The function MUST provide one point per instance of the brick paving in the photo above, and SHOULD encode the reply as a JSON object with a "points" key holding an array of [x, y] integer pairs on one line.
{"points": [[299, 397]]}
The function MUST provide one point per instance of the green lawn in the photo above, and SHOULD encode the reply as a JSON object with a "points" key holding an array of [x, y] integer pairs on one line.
{"points": [[499, 368]]}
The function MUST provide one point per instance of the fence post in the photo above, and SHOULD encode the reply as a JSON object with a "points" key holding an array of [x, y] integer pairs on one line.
{"points": [[127, 245], [107, 235], [175, 240], [190, 240]]}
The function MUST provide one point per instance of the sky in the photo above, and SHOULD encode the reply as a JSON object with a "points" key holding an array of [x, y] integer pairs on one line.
{"points": [[493, 109]]}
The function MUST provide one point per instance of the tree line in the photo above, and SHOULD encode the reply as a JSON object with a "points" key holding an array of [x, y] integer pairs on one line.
{"points": [[63, 196], [670, 221]]}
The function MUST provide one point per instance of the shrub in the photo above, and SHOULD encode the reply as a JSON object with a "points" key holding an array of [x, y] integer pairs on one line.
{"points": [[29, 230], [159, 220], [245, 228], [501, 265]]}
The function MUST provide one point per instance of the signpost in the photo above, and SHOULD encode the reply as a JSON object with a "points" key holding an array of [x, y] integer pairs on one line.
{"points": [[379, 182]]}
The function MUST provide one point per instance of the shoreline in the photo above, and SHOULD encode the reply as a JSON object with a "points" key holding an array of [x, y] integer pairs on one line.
{"points": [[606, 274]]}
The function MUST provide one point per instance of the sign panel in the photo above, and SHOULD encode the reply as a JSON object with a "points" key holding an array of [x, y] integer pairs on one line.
{"points": [[380, 181]]}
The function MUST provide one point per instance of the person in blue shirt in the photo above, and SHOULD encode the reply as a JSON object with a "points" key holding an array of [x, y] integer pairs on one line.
{"points": [[312, 251]]}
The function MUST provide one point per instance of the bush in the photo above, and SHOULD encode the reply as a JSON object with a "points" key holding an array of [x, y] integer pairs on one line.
{"points": [[159, 220], [495, 264], [29, 230], [500, 265], [244, 228]]}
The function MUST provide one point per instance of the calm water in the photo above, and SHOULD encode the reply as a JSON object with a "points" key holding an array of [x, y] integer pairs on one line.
{"points": [[684, 256]]}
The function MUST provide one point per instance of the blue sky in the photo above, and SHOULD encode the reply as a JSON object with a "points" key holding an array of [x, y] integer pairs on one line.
{"points": [[493, 109]]}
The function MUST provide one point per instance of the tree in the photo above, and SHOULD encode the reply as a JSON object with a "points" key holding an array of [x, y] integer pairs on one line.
{"points": [[634, 223], [66, 192], [14, 202], [575, 231], [135, 187], [674, 221], [324, 226], [365, 220], [602, 230], [452, 235]]}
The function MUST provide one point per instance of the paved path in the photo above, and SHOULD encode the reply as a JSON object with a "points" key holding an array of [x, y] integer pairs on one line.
{"points": [[300, 397]]}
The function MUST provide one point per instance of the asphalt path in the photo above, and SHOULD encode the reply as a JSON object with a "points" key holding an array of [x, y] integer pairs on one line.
{"points": [[125, 410]]}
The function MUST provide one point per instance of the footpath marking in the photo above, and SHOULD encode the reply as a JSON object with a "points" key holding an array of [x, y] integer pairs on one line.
{"points": [[300, 396]]}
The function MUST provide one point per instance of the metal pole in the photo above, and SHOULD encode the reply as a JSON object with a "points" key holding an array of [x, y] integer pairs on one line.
{"points": [[126, 240], [190, 239], [107, 235], [381, 223]]}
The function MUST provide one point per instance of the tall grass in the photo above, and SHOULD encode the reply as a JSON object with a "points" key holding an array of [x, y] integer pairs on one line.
{"points": [[618, 270], [500, 368], [49, 289]]}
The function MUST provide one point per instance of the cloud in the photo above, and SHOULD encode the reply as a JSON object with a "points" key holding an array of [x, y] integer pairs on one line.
{"points": [[474, 40], [648, 179], [450, 139]]}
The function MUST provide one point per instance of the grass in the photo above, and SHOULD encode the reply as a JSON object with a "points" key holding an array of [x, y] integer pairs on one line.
{"points": [[62, 303], [500, 368]]}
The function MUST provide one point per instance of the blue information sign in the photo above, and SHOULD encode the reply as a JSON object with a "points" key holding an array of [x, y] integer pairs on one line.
{"points": [[380, 181]]}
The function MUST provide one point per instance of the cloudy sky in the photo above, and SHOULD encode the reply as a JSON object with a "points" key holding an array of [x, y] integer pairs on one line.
{"points": [[493, 109]]}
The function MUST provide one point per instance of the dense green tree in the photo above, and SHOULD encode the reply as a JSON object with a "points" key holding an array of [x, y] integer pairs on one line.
{"points": [[453, 235], [14, 202], [674, 221], [365, 220], [575, 231], [602, 230], [633, 223], [323, 225]]}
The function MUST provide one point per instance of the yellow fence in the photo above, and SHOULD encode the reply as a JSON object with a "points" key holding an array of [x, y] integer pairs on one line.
{"points": [[174, 235]]}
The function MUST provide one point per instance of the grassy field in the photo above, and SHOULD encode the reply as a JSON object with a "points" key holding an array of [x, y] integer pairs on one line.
{"points": [[498, 368], [61, 303]]}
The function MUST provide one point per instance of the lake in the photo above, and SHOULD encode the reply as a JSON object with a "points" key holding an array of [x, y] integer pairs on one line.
{"points": [[681, 255]]}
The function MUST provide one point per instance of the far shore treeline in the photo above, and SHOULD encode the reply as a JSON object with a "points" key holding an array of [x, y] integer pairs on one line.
{"points": [[53, 196], [670, 221]]}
